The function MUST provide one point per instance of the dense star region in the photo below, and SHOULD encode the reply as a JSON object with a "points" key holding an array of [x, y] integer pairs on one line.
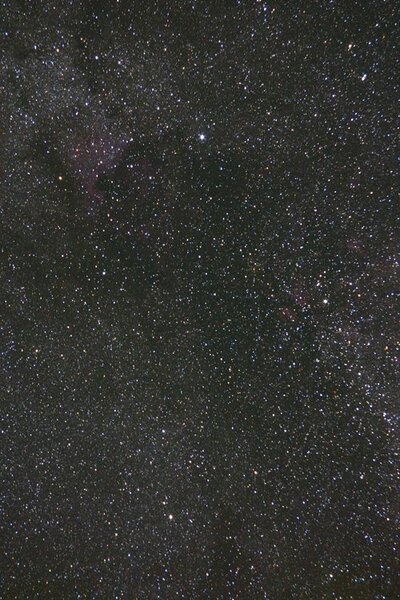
{"points": [[200, 296]]}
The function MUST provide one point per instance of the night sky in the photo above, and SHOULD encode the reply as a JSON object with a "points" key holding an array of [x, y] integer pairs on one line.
{"points": [[200, 232]]}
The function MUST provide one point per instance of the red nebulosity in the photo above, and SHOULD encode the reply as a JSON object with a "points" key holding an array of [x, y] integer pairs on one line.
{"points": [[138, 174], [356, 246], [287, 314], [299, 296], [132, 209], [93, 155]]}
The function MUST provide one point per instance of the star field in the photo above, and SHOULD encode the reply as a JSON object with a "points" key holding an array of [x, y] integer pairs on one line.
{"points": [[200, 295]]}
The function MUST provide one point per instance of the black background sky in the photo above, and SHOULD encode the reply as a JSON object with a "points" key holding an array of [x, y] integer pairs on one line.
{"points": [[201, 344]]}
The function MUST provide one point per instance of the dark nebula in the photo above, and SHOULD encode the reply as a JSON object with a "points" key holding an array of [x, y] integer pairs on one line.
{"points": [[201, 279]]}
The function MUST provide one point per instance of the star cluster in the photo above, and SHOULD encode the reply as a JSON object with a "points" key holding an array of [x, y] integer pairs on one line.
{"points": [[201, 344]]}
